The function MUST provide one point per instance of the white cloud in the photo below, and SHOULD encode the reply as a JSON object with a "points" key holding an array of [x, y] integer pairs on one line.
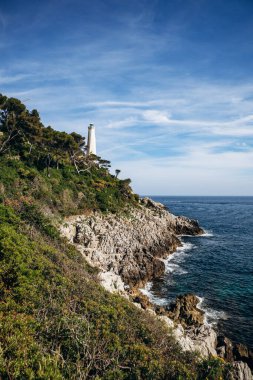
{"points": [[5, 80], [198, 173], [157, 117], [160, 126]]}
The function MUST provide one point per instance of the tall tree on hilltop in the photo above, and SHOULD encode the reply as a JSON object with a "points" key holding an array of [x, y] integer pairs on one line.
{"points": [[117, 171], [21, 129]]}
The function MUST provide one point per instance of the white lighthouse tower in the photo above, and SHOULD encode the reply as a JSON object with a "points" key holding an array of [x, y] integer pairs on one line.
{"points": [[91, 146]]}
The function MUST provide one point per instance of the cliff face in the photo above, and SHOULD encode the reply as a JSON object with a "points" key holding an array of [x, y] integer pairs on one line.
{"points": [[132, 245], [52, 334], [128, 250]]}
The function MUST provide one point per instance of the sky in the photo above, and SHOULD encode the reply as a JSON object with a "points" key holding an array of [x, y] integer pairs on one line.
{"points": [[167, 83]]}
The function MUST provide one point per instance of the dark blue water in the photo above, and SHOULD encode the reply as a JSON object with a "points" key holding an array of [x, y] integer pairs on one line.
{"points": [[218, 267]]}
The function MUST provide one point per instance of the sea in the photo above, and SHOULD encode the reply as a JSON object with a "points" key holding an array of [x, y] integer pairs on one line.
{"points": [[217, 266]]}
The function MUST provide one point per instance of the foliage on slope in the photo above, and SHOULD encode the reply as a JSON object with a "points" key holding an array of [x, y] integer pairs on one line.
{"points": [[56, 322], [53, 166]]}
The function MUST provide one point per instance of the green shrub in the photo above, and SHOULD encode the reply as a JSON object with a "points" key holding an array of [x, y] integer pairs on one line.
{"points": [[214, 368], [56, 321], [7, 215], [34, 216]]}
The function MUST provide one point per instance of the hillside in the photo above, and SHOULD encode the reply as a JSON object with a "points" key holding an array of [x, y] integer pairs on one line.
{"points": [[56, 320]]}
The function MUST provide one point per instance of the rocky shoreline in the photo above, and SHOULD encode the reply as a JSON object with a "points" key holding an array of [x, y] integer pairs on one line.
{"points": [[131, 245], [128, 249]]}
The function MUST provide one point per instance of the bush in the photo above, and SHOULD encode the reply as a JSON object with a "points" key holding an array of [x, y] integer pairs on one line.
{"points": [[56, 322], [32, 215], [59, 323]]}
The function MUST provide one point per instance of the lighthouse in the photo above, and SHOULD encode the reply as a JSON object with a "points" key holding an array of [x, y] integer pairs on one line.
{"points": [[91, 146]]}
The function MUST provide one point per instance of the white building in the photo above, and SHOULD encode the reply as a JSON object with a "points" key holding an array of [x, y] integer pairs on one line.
{"points": [[91, 146]]}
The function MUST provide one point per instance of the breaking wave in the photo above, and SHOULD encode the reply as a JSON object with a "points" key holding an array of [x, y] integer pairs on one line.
{"points": [[172, 266], [212, 316], [172, 262], [153, 298]]}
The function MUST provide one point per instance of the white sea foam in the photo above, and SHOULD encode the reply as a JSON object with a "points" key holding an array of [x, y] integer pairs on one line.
{"points": [[211, 316], [147, 288], [185, 247], [171, 263], [171, 266], [174, 268], [206, 234], [214, 315], [153, 298]]}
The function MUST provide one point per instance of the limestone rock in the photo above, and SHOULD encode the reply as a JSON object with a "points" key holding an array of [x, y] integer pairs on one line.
{"points": [[241, 372], [186, 226], [234, 352], [130, 246], [149, 203], [225, 348], [112, 282], [128, 251], [185, 311], [202, 339], [242, 353]]}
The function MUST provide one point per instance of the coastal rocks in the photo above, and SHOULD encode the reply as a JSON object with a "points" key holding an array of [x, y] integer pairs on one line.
{"points": [[149, 203], [183, 227], [234, 352], [187, 322], [130, 245], [225, 348], [194, 334], [185, 311], [112, 282], [128, 249], [143, 301], [242, 353], [202, 339], [241, 371], [190, 330]]}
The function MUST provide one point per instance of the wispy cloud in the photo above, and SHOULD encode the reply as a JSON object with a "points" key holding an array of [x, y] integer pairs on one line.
{"points": [[6, 80], [165, 99], [198, 172]]}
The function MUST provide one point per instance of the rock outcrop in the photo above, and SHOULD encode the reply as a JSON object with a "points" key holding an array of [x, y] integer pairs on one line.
{"points": [[234, 352], [185, 311], [128, 249], [242, 353], [241, 371], [131, 245], [194, 334], [202, 338], [187, 321]]}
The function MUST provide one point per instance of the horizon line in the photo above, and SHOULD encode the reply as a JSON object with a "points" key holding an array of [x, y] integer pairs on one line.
{"points": [[173, 195]]}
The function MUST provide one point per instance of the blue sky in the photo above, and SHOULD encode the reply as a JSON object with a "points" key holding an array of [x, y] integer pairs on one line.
{"points": [[168, 84]]}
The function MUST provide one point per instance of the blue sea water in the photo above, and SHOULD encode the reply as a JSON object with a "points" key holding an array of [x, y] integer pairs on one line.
{"points": [[217, 267]]}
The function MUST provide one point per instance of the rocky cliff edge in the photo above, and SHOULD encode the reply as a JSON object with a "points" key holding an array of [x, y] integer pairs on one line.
{"points": [[129, 248]]}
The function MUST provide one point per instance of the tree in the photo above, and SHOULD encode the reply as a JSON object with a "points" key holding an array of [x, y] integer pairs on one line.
{"points": [[125, 188], [23, 135], [105, 164], [21, 129], [117, 171], [10, 109]]}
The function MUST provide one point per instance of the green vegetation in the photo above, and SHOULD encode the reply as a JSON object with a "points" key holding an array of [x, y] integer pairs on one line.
{"points": [[52, 166], [56, 322]]}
